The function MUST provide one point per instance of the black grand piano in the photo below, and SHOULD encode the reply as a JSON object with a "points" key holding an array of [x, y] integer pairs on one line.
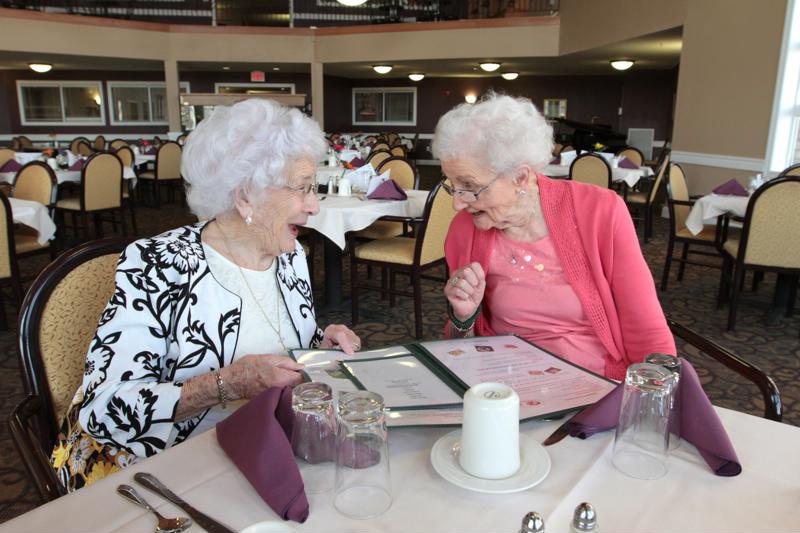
{"points": [[584, 135]]}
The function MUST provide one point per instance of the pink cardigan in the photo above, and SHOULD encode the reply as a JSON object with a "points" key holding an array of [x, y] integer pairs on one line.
{"points": [[597, 245]]}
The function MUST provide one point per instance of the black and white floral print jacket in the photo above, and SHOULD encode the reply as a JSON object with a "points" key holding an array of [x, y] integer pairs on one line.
{"points": [[170, 320]]}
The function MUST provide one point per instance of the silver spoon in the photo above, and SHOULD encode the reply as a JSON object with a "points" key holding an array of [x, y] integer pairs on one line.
{"points": [[165, 525]]}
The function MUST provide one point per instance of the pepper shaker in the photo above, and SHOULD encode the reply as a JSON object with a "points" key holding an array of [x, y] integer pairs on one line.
{"points": [[532, 523], [584, 519]]}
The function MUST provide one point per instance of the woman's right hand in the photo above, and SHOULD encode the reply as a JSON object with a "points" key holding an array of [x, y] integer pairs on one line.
{"points": [[246, 377], [464, 290]]}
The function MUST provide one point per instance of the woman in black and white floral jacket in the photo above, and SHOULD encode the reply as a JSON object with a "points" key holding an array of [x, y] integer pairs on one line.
{"points": [[203, 316]]}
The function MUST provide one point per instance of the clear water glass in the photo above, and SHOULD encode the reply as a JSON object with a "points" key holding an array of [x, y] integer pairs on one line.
{"points": [[314, 435], [673, 364], [363, 481], [641, 443]]}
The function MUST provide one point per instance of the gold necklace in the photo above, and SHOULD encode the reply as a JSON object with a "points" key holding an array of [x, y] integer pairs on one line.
{"points": [[277, 330]]}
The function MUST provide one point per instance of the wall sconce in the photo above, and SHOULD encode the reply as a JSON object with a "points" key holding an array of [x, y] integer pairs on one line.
{"points": [[382, 69], [510, 75], [41, 68], [622, 64], [416, 76], [470, 98], [490, 67], [97, 99]]}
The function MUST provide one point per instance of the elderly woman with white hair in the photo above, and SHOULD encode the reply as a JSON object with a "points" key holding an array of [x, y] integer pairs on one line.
{"points": [[554, 261], [203, 316]]}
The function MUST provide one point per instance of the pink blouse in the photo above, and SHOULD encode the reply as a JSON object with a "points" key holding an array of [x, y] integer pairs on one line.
{"points": [[528, 295]]}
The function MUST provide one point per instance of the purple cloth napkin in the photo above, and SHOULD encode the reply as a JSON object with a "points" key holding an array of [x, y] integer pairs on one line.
{"points": [[388, 190], [151, 151], [627, 163], [11, 166], [556, 160], [731, 188], [77, 165], [357, 162], [695, 419], [256, 438]]}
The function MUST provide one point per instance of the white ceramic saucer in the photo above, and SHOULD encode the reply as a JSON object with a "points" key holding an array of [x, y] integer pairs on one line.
{"points": [[534, 466]]}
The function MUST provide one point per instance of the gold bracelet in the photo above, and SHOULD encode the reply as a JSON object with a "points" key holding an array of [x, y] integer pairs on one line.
{"points": [[223, 396]]}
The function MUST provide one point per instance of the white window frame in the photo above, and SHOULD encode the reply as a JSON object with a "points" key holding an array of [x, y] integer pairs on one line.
{"points": [[101, 121], [254, 86], [149, 84], [412, 90]]}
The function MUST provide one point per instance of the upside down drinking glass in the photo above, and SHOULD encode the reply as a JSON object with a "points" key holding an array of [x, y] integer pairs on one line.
{"points": [[314, 434]]}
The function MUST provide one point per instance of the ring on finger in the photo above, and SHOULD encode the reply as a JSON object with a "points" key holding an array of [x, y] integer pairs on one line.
{"points": [[454, 281]]}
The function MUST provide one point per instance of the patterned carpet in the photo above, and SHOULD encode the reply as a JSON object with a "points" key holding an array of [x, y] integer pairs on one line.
{"points": [[774, 348]]}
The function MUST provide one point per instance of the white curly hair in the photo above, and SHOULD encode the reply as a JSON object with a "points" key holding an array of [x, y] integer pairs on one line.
{"points": [[245, 147], [501, 131]]}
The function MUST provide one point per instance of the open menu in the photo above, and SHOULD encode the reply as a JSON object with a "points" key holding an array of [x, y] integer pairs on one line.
{"points": [[424, 383]]}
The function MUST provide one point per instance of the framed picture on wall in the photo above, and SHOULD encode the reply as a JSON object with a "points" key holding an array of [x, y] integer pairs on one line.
{"points": [[555, 107]]}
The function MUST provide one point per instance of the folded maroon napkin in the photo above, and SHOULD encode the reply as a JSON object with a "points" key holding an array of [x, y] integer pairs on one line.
{"points": [[555, 160], [388, 190], [357, 162], [10, 166], [731, 188], [257, 439], [627, 163], [77, 165], [694, 418], [151, 151]]}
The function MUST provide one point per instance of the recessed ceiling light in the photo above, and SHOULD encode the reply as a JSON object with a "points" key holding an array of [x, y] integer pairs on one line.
{"points": [[510, 75], [276, 68], [41, 68], [351, 3], [490, 67], [226, 68], [470, 98], [382, 69], [416, 76], [622, 64]]}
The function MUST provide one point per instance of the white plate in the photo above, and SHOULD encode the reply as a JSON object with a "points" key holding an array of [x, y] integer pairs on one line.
{"points": [[534, 466]]}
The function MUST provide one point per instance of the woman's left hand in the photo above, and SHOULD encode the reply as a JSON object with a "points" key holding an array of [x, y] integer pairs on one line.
{"points": [[341, 337]]}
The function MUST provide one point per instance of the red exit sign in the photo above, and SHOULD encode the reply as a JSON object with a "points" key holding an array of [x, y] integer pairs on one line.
{"points": [[258, 75]]}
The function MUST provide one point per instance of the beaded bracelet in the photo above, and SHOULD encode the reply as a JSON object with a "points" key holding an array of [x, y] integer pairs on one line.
{"points": [[223, 396], [463, 325]]}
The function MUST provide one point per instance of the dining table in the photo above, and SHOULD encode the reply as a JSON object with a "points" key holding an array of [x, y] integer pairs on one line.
{"points": [[628, 176], [689, 497], [34, 215], [339, 215], [68, 176], [708, 208]]}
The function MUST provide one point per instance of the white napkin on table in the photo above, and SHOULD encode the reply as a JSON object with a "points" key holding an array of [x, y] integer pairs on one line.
{"points": [[568, 157], [377, 180], [360, 177]]}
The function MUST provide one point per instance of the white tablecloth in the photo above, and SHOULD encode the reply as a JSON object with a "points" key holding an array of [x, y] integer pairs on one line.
{"points": [[141, 159], [630, 176], [65, 176], [340, 214], [34, 215], [324, 173], [709, 207], [689, 498]]}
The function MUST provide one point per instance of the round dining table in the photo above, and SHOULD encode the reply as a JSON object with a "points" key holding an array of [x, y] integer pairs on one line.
{"points": [[628, 176]]}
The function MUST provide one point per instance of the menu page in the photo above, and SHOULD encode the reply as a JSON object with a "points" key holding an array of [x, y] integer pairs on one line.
{"points": [[545, 383]]}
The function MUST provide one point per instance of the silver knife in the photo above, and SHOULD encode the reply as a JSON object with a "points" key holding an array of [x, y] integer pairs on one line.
{"points": [[149, 481]]}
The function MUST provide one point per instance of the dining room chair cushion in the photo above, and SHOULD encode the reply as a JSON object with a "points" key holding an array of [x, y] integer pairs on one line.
{"points": [[399, 250], [25, 242], [73, 204], [149, 175], [637, 197], [732, 247], [709, 233], [381, 229]]}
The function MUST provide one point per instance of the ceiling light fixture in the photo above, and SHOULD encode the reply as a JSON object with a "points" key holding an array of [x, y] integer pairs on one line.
{"points": [[622, 64], [382, 69], [510, 75], [490, 67], [416, 76], [352, 3], [226, 68], [276, 68], [41, 68], [470, 98]]}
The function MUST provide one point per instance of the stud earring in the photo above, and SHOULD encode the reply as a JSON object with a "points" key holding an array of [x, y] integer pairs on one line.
{"points": [[522, 191], [248, 219]]}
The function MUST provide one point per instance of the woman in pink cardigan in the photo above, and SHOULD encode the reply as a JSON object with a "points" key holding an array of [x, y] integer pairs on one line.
{"points": [[554, 261]]}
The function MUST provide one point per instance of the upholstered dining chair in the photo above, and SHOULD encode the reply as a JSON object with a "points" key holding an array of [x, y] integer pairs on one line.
{"points": [[100, 193], [99, 143], [376, 157], [381, 145], [406, 176], [398, 151], [73, 145], [6, 155], [643, 201], [393, 139], [36, 182], [680, 205], [632, 154], [793, 170], [591, 168], [21, 143], [769, 242], [182, 138], [84, 149], [57, 322], [116, 144], [407, 255], [9, 268], [125, 154], [167, 171]]}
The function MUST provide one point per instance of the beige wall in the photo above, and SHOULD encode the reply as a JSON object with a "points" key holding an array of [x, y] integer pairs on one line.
{"points": [[587, 24]]}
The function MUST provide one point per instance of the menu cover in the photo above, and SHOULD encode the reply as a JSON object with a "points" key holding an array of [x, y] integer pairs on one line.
{"points": [[424, 383]]}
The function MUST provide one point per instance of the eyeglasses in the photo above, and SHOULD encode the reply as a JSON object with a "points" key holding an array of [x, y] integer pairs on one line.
{"points": [[304, 190], [464, 195]]}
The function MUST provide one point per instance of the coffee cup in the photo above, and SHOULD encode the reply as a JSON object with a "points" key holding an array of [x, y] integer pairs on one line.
{"points": [[490, 431], [345, 187]]}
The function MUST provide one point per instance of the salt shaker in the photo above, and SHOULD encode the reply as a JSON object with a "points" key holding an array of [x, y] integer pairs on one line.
{"points": [[584, 519], [532, 523]]}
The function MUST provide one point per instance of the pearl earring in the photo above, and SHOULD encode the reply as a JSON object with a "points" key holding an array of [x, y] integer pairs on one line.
{"points": [[248, 219], [522, 191]]}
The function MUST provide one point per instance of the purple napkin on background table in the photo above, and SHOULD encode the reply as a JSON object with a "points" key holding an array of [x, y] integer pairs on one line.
{"points": [[257, 439], [77, 165], [388, 190], [11, 166], [627, 163], [151, 151], [695, 417], [731, 188], [556, 160], [357, 162]]}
